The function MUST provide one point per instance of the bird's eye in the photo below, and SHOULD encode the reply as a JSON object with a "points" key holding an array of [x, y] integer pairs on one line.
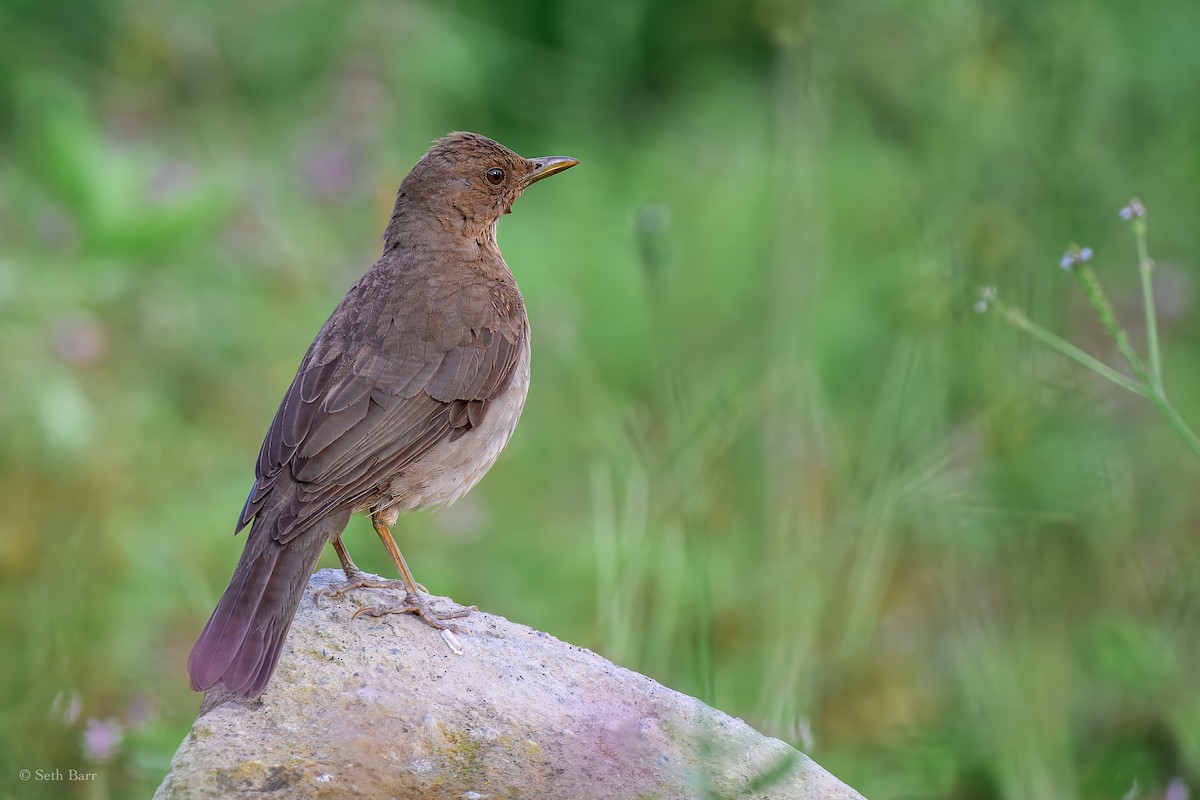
{"points": [[495, 176]]}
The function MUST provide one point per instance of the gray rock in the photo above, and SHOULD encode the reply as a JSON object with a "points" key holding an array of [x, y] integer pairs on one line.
{"points": [[382, 708]]}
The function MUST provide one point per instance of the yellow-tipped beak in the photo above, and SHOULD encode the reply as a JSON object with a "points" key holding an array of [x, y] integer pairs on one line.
{"points": [[546, 166]]}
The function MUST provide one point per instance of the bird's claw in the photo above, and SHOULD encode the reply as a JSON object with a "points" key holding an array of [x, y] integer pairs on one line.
{"points": [[356, 580], [419, 606]]}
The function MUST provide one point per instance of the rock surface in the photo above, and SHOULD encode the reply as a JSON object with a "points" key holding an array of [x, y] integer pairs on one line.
{"points": [[382, 708]]}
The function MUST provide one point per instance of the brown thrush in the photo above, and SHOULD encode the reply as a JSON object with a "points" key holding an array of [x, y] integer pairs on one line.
{"points": [[405, 399]]}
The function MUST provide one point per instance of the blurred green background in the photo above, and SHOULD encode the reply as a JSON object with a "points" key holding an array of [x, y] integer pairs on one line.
{"points": [[771, 457]]}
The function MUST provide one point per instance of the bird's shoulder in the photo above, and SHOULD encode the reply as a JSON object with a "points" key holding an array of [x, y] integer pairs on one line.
{"points": [[401, 305]]}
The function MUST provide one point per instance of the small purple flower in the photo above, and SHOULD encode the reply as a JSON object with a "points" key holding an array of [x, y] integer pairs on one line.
{"points": [[1075, 255], [139, 712], [332, 170], [1135, 210], [1176, 790], [101, 738], [78, 339]]}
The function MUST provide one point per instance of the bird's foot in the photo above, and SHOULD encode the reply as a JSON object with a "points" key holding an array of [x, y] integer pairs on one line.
{"points": [[359, 580], [356, 580], [418, 605]]}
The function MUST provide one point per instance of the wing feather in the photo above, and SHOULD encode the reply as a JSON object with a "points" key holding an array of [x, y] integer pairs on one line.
{"points": [[399, 367]]}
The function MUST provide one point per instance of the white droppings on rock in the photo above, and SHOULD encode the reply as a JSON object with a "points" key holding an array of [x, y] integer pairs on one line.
{"points": [[422, 766]]}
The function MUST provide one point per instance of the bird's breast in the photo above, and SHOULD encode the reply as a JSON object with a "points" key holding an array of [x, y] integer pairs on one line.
{"points": [[451, 468]]}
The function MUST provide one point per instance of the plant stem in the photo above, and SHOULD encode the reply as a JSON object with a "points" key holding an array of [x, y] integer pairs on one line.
{"points": [[1146, 267], [1176, 421], [1017, 318], [1151, 382], [1091, 287]]}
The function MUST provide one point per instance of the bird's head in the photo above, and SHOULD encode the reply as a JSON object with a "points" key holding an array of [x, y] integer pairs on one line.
{"points": [[466, 182]]}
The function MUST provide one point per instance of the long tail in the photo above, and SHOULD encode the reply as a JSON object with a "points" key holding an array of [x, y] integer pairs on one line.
{"points": [[241, 643]]}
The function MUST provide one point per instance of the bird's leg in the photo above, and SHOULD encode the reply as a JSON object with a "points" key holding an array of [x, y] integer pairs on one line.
{"points": [[348, 566], [351, 569], [414, 603], [353, 573], [355, 577], [385, 535]]}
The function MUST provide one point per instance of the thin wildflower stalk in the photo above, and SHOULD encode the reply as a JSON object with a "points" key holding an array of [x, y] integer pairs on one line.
{"points": [[1091, 287], [1176, 421], [1146, 268], [1016, 317], [1150, 387], [1146, 382]]}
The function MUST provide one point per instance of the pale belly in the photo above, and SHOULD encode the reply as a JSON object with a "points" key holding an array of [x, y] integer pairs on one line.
{"points": [[450, 469]]}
